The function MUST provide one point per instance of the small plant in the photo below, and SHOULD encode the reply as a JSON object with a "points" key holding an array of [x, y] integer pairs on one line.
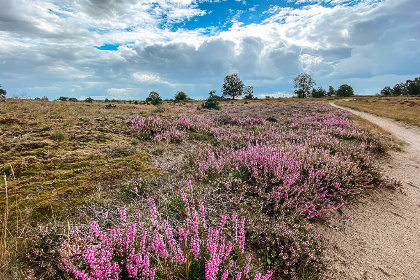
{"points": [[134, 141], [159, 110], [58, 135], [46, 128]]}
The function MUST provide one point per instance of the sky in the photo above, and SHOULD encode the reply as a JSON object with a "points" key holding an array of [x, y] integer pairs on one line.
{"points": [[124, 49]]}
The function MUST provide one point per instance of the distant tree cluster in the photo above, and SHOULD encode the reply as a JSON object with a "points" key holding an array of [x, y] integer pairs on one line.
{"points": [[410, 87], [64, 98], [305, 86]]}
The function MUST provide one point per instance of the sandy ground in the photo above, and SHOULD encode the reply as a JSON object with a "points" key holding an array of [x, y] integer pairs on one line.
{"points": [[383, 240]]}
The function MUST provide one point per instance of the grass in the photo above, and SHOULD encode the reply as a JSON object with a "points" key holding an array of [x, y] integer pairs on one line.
{"points": [[70, 162], [400, 108]]}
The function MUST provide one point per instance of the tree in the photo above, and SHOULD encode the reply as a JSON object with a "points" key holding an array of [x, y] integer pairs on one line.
{"points": [[154, 98], [413, 87], [248, 92], [232, 86], [3, 93], [331, 91], [180, 96], [319, 92], [212, 102], [89, 100], [303, 84], [400, 89], [63, 98], [345, 91], [387, 91]]}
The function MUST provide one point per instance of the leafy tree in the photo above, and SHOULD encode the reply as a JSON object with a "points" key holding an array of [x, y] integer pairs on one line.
{"points": [[154, 98], [387, 91], [303, 84], [232, 86], [400, 89], [89, 100], [73, 99], [331, 91], [63, 98], [345, 91], [3, 92], [319, 92], [413, 87], [180, 96], [248, 92]]}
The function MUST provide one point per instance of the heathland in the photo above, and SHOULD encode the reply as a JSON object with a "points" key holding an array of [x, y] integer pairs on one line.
{"points": [[177, 191]]}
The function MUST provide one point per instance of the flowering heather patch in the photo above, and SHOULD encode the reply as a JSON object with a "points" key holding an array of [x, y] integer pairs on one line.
{"points": [[280, 165], [291, 161], [152, 248]]}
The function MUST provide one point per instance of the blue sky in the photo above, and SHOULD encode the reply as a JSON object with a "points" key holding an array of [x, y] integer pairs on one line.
{"points": [[125, 48]]}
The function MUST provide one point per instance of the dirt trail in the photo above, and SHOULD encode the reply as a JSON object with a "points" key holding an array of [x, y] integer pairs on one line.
{"points": [[383, 240]]}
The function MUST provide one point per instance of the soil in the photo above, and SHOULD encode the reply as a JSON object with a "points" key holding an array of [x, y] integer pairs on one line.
{"points": [[381, 241]]}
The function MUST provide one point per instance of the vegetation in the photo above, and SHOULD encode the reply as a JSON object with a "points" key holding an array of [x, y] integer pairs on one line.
{"points": [[3, 93], [319, 92], [345, 91], [181, 96], [400, 108], [248, 92], [410, 87], [154, 98], [212, 102], [112, 197], [303, 84], [232, 86]]}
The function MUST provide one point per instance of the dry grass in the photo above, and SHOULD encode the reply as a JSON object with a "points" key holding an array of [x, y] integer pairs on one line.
{"points": [[406, 109]]}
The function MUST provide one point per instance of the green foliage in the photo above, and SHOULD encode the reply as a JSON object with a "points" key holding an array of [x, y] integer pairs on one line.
{"points": [[232, 86], [303, 84], [159, 110], [154, 98], [63, 98], [180, 96], [331, 91], [387, 91], [211, 103], [345, 91], [89, 100], [413, 87], [319, 92], [3, 92], [248, 92], [58, 135]]}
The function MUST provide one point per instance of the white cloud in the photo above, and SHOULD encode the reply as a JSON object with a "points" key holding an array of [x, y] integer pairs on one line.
{"points": [[48, 46]]}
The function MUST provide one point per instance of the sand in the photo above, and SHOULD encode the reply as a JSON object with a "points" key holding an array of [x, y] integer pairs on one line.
{"points": [[383, 239]]}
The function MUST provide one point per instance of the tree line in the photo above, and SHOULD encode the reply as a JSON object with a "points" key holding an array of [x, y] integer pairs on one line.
{"points": [[304, 86], [410, 87]]}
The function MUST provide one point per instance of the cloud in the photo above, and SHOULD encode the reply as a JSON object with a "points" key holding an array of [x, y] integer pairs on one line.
{"points": [[48, 47]]}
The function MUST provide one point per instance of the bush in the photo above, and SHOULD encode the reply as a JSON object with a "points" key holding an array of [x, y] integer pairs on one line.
{"points": [[180, 96], [211, 103], [154, 98]]}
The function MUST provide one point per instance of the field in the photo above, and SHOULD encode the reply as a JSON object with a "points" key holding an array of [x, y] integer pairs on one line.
{"points": [[400, 108], [172, 191]]}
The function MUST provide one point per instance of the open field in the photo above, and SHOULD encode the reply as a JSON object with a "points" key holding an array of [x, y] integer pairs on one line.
{"points": [[169, 176], [400, 108]]}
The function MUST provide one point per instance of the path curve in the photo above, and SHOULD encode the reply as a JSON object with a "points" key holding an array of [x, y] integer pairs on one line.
{"points": [[383, 240]]}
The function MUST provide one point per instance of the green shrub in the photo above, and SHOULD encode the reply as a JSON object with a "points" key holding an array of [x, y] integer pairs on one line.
{"points": [[211, 103], [58, 135]]}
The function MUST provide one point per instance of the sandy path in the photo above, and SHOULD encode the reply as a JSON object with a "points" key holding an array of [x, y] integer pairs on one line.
{"points": [[383, 241]]}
